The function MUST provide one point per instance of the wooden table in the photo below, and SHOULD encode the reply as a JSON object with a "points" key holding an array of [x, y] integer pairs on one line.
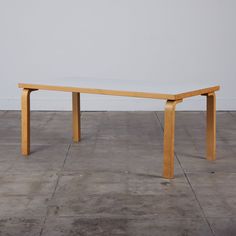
{"points": [[124, 88]]}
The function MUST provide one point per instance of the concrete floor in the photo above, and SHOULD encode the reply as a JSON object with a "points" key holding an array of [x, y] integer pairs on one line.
{"points": [[110, 183]]}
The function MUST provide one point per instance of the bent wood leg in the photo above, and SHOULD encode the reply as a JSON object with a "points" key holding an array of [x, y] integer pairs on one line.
{"points": [[25, 122], [211, 127], [169, 138], [76, 116]]}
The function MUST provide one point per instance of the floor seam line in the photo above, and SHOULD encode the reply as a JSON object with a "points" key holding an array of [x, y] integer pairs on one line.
{"points": [[60, 171], [230, 112], [195, 196], [186, 177], [54, 191], [4, 113]]}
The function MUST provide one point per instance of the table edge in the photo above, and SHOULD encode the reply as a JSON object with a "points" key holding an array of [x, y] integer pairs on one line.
{"points": [[125, 93], [197, 92]]}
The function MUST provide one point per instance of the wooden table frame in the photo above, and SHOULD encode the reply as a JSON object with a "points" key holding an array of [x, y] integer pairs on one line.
{"points": [[169, 127]]}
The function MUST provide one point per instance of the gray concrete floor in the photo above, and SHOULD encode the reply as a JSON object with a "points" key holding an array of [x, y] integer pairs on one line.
{"points": [[110, 183]]}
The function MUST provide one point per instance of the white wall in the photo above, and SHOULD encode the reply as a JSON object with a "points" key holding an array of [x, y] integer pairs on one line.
{"points": [[161, 40]]}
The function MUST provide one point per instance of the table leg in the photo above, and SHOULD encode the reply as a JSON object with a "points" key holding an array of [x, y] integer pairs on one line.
{"points": [[211, 127], [169, 139], [25, 122], [76, 116]]}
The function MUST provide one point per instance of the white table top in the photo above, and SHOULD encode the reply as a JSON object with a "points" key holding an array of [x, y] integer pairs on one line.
{"points": [[135, 86]]}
